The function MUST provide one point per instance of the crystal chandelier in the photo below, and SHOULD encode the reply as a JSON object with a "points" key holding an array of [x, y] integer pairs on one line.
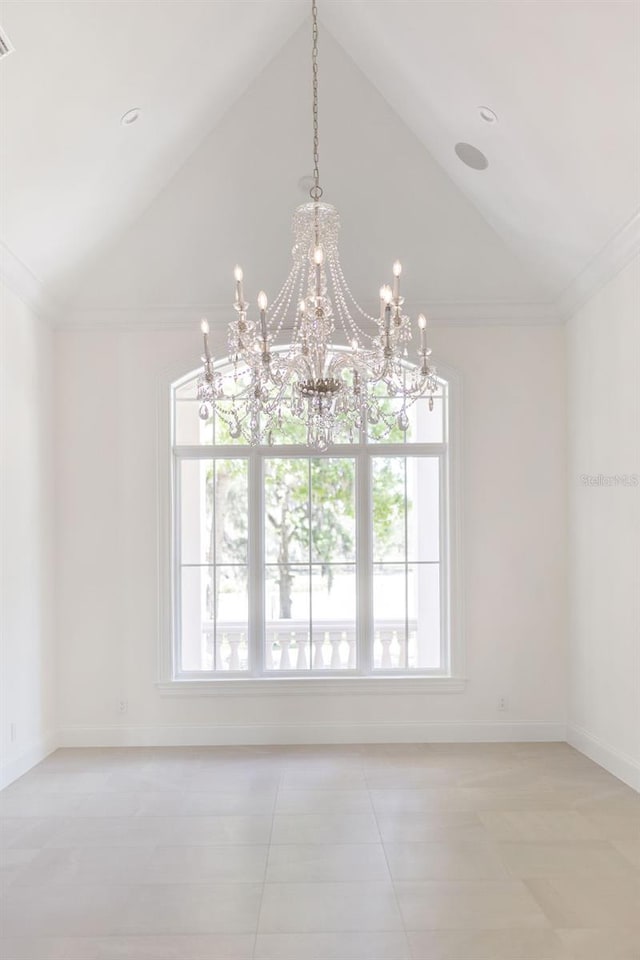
{"points": [[333, 389]]}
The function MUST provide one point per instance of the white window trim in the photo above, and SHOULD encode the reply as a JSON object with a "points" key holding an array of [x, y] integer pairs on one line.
{"points": [[305, 686], [168, 680]]}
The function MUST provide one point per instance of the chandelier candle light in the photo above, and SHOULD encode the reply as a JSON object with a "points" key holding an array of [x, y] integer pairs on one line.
{"points": [[336, 391]]}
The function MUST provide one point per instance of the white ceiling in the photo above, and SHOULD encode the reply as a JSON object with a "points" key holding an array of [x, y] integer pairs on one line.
{"points": [[72, 177], [233, 199], [563, 77], [157, 214]]}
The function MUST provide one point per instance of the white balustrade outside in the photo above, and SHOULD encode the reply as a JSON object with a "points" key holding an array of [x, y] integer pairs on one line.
{"points": [[289, 646]]}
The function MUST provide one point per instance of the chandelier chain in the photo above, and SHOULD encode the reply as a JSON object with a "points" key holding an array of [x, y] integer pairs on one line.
{"points": [[316, 190]]}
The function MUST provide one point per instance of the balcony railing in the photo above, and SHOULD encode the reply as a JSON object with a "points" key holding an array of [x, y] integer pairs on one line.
{"points": [[289, 645]]}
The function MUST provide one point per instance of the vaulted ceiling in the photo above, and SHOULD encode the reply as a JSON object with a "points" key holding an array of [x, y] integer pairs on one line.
{"points": [[154, 215]]}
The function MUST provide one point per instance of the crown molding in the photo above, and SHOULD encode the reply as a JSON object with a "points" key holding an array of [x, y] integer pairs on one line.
{"points": [[616, 254], [179, 316], [19, 279]]}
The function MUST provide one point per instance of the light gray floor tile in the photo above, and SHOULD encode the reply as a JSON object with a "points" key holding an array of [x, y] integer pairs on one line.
{"points": [[393, 801], [332, 946], [325, 828], [124, 804], [326, 862], [450, 860], [39, 781], [505, 799], [323, 801], [613, 826], [468, 905], [28, 833], [404, 777], [34, 948], [207, 864], [13, 864], [161, 853], [330, 777], [619, 799], [432, 826], [85, 865], [191, 909], [168, 831], [542, 826], [602, 944], [248, 778], [487, 945], [328, 908], [516, 776], [205, 947], [29, 804], [630, 850], [176, 804], [595, 858], [578, 901], [61, 911]]}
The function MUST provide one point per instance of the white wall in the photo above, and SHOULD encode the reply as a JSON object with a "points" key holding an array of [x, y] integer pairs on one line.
{"points": [[604, 526], [514, 482], [27, 665]]}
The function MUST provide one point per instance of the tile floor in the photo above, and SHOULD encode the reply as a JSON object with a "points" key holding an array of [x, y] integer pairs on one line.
{"points": [[420, 852]]}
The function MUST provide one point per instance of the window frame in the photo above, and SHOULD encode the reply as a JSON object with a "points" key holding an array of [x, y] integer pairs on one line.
{"points": [[449, 677]]}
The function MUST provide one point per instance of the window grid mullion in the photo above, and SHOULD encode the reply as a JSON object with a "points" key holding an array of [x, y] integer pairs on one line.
{"points": [[309, 558], [364, 563], [177, 572], [256, 567], [214, 559], [443, 562], [406, 569]]}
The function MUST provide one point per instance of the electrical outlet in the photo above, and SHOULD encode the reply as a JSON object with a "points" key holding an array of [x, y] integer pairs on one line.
{"points": [[123, 706], [503, 703], [13, 730]]}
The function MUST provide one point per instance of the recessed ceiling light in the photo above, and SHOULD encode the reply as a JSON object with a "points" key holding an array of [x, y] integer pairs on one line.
{"points": [[130, 116], [470, 155], [488, 115]]}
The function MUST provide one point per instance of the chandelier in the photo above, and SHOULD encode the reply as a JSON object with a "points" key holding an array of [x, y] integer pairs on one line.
{"points": [[333, 389]]}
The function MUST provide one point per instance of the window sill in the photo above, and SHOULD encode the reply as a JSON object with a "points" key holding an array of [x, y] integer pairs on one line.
{"points": [[304, 686]]}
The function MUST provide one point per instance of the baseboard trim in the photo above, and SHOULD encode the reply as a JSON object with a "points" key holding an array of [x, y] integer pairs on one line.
{"points": [[16, 767], [297, 733], [623, 767]]}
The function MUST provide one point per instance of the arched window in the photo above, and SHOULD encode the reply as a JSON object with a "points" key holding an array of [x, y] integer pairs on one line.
{"points": [[291, 561]]}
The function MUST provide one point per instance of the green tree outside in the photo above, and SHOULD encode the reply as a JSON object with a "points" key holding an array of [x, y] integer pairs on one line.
{"points": [[309, 508]]}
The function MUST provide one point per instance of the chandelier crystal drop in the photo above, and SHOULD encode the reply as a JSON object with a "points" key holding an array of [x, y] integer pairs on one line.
{"points": [[335, 389]]}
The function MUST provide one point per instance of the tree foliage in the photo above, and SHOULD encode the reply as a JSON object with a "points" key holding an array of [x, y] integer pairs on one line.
{"points": [[310, 508], [310, 513]]}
